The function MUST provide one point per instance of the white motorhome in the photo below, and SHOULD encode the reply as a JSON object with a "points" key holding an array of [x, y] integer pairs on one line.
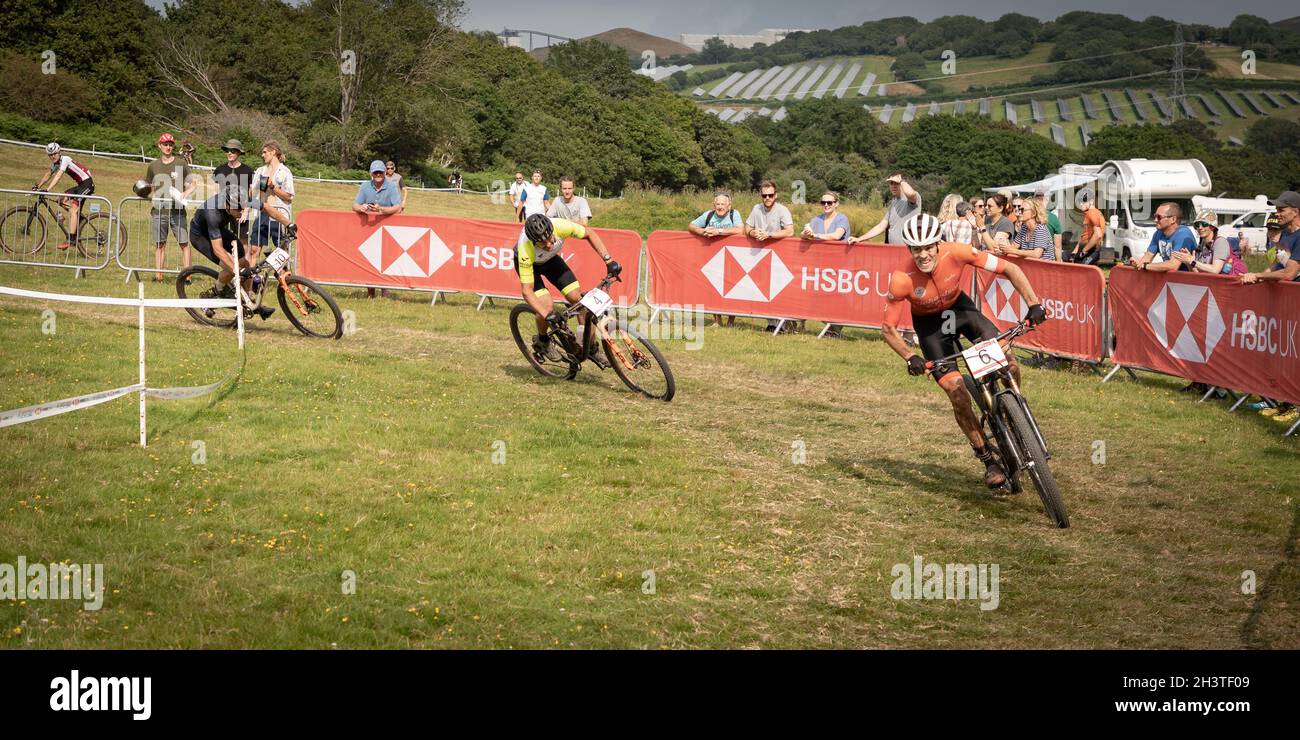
{"points": [[1240, 217], [1127, 191]]}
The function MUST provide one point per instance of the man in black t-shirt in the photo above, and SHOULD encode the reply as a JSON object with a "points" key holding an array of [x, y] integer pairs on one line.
{"points": [[237, 172]]}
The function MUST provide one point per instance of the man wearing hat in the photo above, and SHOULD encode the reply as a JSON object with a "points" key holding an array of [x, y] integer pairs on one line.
{"points": [[1213, 253], [1277, 256], [171, 181], [1288, 215], [234, 171], [377, 196]]}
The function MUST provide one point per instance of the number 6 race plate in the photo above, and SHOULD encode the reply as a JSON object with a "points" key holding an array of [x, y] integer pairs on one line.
{"points": [[597, 301], [984, 358]]}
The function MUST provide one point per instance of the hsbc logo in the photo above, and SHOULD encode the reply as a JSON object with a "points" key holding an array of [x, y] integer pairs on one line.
{"points": [[1005, 304], [1187, 321], [747, 273], [405, 251]]}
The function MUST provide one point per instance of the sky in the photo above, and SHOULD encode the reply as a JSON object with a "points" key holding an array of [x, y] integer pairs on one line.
{"points": [[669, 18]]}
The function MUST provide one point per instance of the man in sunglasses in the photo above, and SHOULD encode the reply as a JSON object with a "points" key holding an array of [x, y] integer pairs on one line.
{"points": [[1171, 236], [769, 220]]}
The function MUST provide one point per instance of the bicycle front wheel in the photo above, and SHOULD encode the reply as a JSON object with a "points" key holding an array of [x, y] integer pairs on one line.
{"points": [[638, 362], [22, 230], [192, 283], [1039, 471], [310, 309], [523, 327]]}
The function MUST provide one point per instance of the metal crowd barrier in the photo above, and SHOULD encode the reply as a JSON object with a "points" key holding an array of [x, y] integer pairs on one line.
{"points": [[34, 230], [140, 245]]}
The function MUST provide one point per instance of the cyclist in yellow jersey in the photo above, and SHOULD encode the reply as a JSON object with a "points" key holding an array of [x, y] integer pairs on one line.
{"points": [[537, 255]]}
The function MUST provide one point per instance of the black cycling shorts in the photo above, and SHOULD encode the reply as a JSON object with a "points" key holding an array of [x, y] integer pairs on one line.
{"points": [[199, 240], [85, 187], [968, 322], [554, 269]]}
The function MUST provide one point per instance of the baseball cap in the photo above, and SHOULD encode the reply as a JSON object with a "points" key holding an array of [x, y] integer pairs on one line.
{"points": [[376, 166], [1288, 199], [166, 139], [1273, 222], [233, 145]]}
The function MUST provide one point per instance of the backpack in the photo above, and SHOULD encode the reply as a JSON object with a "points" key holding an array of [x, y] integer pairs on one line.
{"points": [[710, 215], [1234, 265]]}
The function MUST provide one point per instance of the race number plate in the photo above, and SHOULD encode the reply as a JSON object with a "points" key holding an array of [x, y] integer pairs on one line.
{"points": [[597, 301], [277, 259], [984, 358]]}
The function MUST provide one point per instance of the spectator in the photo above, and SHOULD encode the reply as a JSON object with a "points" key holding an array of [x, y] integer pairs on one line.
{"points": [[1213, 252], [995, 223], [569, 206], [769, 220], [377, 196], [1033, 238], [831, 225], [516, 190], [1288, 215], [1273, 251], [534, 196], [721, 220], [1053, 223], [455, 181], [1085, 250], [955, 218], [390, 174], [235, 172], [274, 186], [1171, 236], [172, 182], [904, 203]]}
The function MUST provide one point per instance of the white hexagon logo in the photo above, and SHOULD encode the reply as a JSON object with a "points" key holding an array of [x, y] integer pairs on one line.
{"points": [[405, 251], [747, 273], [1189, 332]]}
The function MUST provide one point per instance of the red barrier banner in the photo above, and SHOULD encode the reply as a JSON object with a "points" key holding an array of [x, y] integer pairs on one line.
{"points": [[1209, 329], [444, 253], [1071, 295], [785, 278]]}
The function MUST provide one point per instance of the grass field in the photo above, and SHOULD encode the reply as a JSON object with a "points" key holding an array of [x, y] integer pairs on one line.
{"points": [[374, 455]]}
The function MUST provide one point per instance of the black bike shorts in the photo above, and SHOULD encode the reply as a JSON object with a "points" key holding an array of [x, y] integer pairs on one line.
{"points": [[85, 187], [554, 269], [203, 246], [968, 322]]}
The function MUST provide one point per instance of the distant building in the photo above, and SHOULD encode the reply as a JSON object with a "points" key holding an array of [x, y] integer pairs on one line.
{"points": [[767, 36]]}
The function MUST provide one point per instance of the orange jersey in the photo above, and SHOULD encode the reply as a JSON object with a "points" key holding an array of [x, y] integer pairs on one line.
{"points": [[929, 293]]}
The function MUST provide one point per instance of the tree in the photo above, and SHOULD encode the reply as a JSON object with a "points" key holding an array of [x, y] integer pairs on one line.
{"points": [[1145, 140], [1274, 136], [974, 152], [605, 67], [716, 51]]}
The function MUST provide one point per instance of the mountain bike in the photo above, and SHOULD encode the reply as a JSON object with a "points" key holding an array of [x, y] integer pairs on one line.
{"points": [[1005, 413], [634, 358], [24, 229], [307, 306]]}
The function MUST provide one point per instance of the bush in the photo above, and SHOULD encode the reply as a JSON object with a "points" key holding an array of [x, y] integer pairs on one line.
{"points": [[61, 98]]}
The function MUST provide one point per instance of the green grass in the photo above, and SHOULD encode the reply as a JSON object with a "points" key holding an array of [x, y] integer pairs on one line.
{"points": [[373, 454], [973, 71]]}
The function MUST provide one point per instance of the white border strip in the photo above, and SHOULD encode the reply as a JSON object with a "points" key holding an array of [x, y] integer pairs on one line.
{"points": [[147, 302], [43, 410]]}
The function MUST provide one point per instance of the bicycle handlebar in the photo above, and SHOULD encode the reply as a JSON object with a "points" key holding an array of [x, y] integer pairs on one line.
{"points": [[1015, 331]]}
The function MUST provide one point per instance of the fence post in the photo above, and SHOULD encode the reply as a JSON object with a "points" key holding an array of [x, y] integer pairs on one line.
{"points": [[143, 436]]}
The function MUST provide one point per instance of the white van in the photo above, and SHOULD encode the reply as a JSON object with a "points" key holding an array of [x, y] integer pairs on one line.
{"points": [[1240, 217], [1127, 192]]}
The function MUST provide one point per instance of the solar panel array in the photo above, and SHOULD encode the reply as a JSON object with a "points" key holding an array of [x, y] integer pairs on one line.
{"points": [[984, 107], [886, 113], [1085, 133], [808, 82], [909, 113], [1011, 112], [1211, 107], [1036, 110], [1162, 104], [1275, 100], [848, 78], [1137, 109], [1089, 111], [1253, 102], [1058, 134], [1232, 104], [1113, 103], [1064, 109], [829, 80], [718, 88]]}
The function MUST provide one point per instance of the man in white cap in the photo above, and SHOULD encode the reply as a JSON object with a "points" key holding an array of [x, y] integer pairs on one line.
{"points": [[377, 196]]}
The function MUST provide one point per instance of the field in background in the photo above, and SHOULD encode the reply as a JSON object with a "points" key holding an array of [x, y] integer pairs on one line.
{"points": [[375, 455]]}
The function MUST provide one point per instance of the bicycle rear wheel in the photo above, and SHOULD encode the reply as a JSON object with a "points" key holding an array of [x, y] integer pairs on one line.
{"points": [[22, 230], [309, 308], [523, 327], [192, 283], [638, 362], [94, 234], [1039, 471]]}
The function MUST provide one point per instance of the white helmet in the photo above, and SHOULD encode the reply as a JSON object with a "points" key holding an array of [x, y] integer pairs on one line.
{"points": [[921, 230], [53, 148]]}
